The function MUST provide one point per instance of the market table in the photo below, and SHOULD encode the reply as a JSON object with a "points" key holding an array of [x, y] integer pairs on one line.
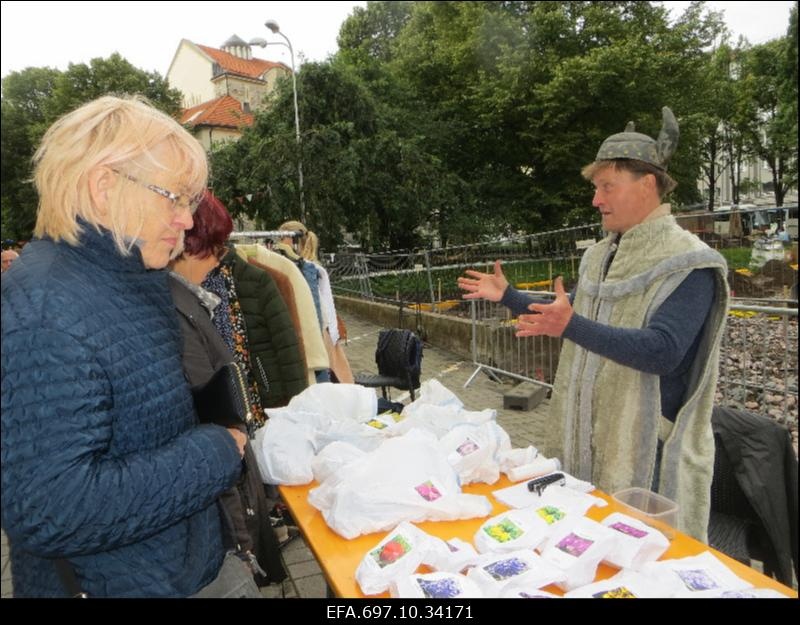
{"points": [[338, 557]]}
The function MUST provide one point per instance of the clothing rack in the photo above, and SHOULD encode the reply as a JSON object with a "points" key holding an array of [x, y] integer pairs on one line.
{"points": [[265, 234]]}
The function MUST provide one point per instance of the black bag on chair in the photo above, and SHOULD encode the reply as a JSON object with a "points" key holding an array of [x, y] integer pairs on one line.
{"points": [[223, 399], [399, 360]]}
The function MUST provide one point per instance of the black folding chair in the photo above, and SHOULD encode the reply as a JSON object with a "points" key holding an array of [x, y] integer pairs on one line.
{"points": [[399, 360]]}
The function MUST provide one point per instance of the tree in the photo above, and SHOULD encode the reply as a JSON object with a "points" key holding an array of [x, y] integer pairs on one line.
{"points": [[35, 97], [772, 132], [23, 123]]}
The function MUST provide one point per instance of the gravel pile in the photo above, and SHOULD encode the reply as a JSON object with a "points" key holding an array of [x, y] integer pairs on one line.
{"points": [[758, 368]]}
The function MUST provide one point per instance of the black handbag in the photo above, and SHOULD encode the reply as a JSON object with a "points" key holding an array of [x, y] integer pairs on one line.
{"points": [[223, 399]]}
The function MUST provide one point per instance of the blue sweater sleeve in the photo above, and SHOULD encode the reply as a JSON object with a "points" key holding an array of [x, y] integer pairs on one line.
{"points": [[660, 347], [518, 302]]}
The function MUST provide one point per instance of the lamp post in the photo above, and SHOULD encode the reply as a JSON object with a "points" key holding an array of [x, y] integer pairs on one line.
{"points": [[273, 26]]}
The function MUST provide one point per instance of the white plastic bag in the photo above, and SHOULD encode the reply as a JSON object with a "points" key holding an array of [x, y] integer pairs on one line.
{"points": [[637, 543], [284, 451], [332, 458], [336, 401], [406, 479], [473, 451]]}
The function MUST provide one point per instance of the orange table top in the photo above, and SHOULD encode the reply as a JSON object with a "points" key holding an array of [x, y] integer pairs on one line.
{"points": [[339, 557]]}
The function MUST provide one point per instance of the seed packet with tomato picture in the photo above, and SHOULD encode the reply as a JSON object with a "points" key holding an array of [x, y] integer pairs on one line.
{"points": [[398, 555]]}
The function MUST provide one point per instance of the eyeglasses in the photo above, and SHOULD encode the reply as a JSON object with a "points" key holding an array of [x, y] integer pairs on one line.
{"points": [[179, 200]]}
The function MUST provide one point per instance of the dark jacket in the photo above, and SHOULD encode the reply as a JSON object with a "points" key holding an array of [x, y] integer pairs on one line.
{"points": [[278, 367], [763, 461], [102, 461], [245, 505]]}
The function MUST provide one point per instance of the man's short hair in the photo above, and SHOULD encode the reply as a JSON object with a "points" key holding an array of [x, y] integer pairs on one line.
{"points": [[664, 182]]}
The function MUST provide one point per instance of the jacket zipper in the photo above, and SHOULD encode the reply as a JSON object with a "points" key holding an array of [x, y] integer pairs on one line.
{"points": [[243, 388]]}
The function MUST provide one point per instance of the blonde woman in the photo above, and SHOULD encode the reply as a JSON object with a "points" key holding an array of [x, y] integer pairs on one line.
{"points": [[330, 320], [105, 471]]}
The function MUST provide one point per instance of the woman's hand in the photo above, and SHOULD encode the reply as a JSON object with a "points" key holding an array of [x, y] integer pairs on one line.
{"points": [[489, 286], [240, 438]]}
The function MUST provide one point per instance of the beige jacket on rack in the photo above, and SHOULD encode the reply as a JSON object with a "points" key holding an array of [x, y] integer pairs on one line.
{"points": [[311, 335]]}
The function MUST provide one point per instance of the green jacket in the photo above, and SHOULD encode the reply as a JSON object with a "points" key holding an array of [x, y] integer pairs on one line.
{"points": [[276, 359]]}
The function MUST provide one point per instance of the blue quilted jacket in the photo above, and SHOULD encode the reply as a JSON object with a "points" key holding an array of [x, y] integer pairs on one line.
{"points": [[102, 462]]}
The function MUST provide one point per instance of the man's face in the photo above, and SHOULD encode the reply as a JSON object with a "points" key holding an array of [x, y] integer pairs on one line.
{"points": [[623, 199]]}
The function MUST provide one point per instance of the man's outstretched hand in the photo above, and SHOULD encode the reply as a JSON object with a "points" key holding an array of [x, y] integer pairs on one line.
{"points": [[552, 319], [479, 285]]}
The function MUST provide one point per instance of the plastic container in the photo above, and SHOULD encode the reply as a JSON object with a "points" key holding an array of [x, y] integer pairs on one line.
{"points": [[649, 507]]}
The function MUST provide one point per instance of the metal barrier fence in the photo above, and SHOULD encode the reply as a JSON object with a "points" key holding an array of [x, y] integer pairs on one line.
{"points": [[426, 279], [758, 364], [758, 361]]}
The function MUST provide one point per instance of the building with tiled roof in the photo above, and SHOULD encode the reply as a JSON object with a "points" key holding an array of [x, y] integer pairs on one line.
{"points": [[222, 87], [220, 119]]}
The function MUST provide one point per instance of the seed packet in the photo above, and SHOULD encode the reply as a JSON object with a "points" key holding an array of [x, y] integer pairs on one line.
{"points": [[702, 575], [399, 554], [451, 556], [494, 571], [511, 530], [435, 586], [624, 585], [577, 547], [637, 542]]}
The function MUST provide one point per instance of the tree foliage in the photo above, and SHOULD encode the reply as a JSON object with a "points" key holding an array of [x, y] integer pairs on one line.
{"points": [[468, 118], [452, 121], [35, 97]]}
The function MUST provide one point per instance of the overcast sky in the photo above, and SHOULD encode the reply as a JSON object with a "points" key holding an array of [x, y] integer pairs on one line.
{"points": [[54, 34]]}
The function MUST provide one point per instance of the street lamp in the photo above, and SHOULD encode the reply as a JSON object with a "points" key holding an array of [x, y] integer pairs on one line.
{"points": [[273, 26]]}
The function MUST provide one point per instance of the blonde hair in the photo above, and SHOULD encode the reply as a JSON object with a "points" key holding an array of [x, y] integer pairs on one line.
{"points": [[299, 241], [664, 182], [115, 132], [310, 248]]}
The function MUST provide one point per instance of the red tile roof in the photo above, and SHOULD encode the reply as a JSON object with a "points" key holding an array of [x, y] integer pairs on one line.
{"points": [[224, 112], [252, 68]]}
